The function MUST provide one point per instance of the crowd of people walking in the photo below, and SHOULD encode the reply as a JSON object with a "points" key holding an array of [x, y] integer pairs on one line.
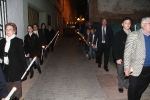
{"points": [[130, 52], [16, 55]]}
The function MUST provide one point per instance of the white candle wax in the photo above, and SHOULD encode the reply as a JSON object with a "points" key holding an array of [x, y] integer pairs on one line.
{"points": [[11, 93], [28, 67]]}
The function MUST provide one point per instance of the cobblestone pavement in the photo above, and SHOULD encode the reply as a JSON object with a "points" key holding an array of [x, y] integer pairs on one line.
{"points": [[67, 74]]}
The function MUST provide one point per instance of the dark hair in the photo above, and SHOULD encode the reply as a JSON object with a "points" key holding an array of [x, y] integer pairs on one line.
{"points": [[92, 28], [43, 24], [126, 18], [49, 25], [103, 19], [30, 26], [36, 25], [88, 29]]}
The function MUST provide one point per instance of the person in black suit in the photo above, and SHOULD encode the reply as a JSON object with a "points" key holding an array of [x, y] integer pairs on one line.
{"points": [[32, 48], [42, 34], [118, 52], [104, 34], [42, 40], [12, 53], [3, 85], [49, 36]]}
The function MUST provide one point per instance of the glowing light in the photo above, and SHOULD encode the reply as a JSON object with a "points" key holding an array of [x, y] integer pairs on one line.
{"points": [[43, 46]]}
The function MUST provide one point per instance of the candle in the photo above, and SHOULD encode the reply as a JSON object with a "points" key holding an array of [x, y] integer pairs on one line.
{"points": [[134, 27], [51, 40], [11, 93], [56, 40], [28, 67], [43, 46], [131, 69]]}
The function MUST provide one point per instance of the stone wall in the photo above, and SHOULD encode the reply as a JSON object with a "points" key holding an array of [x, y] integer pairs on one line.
{"points": [[115, 10]]}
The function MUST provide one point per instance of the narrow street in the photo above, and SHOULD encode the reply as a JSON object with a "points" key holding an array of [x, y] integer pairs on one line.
{"points": [[67, 74]]}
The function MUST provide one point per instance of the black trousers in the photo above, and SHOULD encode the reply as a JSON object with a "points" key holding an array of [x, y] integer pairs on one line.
{"points": [[103, 49], [138, 84], [52, 46]]}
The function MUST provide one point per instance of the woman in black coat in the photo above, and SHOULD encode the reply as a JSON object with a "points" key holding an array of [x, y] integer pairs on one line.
{"points": [[32, 48], [12, 53], [44, 31]]}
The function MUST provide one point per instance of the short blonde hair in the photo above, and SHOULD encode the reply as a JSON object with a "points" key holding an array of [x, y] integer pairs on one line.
{"points": [[13, 25]]}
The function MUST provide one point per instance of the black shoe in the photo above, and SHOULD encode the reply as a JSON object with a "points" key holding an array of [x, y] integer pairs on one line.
{"points": [[39, 69], [31, 75], [106, 69], [89, 58], [120, 90], [96, 61], [99, 66]]}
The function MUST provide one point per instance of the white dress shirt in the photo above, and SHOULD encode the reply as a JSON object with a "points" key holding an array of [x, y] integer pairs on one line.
{"points": [[102, 32]]}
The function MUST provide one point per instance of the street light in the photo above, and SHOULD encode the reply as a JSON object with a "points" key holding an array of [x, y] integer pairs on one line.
{"points": [[80, 19]]}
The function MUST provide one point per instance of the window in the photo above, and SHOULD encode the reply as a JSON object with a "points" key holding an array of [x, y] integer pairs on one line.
{"points": [[3, 17]]}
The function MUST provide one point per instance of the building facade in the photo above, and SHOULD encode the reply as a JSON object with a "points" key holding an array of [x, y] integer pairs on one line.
{"points": [[115, 10], [25, 12]]}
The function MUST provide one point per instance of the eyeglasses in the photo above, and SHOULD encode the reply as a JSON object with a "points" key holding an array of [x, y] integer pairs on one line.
{"points": [[147, 23]]}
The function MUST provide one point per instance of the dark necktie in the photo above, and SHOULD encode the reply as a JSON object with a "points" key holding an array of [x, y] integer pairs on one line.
{"points": [[103, 35]]}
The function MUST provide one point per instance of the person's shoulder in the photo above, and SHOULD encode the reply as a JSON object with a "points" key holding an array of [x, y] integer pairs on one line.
{"points": [[120, 32], [136, 32], [108, 27], [18, 39], [2, 39], [34, 35], [26, 35]]}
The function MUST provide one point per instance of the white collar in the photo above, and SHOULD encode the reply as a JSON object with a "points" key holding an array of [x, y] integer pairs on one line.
{"points": [[30, 34], [35, 31], [127, 31], [11, 37]]}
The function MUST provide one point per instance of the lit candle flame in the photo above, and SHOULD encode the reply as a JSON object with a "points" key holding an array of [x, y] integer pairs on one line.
{"points": [[131, 69], [43, 46]]}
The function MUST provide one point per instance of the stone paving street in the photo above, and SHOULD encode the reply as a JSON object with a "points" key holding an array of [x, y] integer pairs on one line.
{"points": [[67, 74]]}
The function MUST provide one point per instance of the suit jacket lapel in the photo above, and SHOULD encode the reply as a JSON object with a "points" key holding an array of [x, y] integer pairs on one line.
{"points": [[141, 36]]}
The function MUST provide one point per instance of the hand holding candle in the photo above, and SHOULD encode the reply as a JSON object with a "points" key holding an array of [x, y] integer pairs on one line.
{"points": [[11, 93], [52, 40], [128, 71], [28, 67]]}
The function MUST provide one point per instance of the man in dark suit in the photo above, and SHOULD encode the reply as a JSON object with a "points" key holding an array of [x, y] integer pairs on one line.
{"points": [[49, 36], [104, 38]]}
